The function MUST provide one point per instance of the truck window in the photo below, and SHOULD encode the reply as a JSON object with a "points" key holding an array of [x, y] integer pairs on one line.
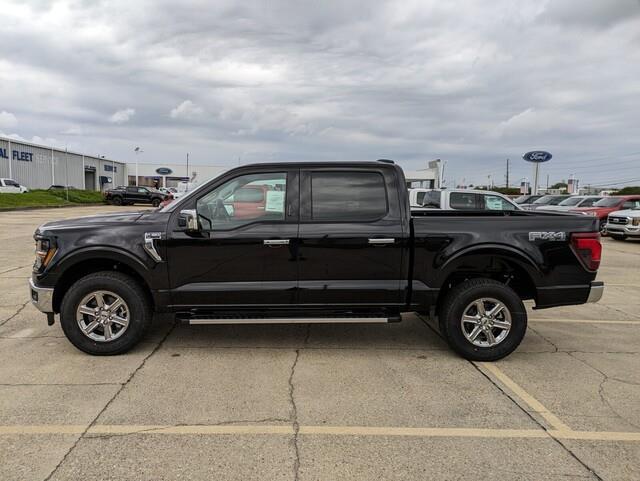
{"points": [[244, 200], [463, 200], [494, 202], [344, 196]]}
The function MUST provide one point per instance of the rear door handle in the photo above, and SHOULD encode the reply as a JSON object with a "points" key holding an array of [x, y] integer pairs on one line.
{"points": [[379, 242], [276, 242]]}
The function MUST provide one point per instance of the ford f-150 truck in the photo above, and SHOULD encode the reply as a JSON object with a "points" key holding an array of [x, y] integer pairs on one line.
{"points": [[330, 242]]}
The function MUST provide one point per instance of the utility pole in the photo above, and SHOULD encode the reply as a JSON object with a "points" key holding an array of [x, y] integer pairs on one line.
{"points": [[547, 183], [188, 176], [507, 173]]}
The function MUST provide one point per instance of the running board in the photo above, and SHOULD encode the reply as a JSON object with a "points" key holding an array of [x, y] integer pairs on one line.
{"points": [[290, 320]]}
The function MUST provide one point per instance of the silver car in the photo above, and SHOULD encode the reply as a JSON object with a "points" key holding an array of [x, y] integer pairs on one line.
{"points": [[572, 202]]}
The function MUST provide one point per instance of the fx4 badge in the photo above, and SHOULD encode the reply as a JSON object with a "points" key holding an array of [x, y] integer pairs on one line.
{"points": [[547, 236]]}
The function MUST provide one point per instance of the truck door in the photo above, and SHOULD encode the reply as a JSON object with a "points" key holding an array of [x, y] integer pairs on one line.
{"points": [[245, 253], [351, 238]]}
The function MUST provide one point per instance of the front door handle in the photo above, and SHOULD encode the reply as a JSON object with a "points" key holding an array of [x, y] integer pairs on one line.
{"points": [[276, 242], [381, 242]]}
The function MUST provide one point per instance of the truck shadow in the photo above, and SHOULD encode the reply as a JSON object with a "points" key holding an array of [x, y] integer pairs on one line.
{"points": [[410, 334]]}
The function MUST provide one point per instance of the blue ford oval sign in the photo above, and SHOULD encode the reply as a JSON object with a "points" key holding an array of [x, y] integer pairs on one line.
{"points": [[164, 171], [537, 156]]}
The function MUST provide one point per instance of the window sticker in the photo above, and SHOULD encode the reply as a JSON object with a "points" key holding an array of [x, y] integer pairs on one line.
{"points": [[275, 201]]}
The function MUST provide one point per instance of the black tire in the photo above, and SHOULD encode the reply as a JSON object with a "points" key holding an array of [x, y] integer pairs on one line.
{"points": [[602, 227], [156, 202], [140, 313], [456, 302], [618, 237], [117, 200]]}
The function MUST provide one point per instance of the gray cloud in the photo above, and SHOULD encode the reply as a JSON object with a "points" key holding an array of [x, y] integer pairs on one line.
{"points": [[471, 82]]}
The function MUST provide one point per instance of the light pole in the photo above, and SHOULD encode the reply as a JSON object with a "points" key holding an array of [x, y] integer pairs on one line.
{"points": [[137, 150]]}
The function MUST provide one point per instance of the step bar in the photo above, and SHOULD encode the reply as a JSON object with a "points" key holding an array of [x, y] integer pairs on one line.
{"points": [[289, 320]]}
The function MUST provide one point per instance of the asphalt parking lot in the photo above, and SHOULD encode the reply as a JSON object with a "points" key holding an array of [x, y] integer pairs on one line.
{"points": [[322, 402]]}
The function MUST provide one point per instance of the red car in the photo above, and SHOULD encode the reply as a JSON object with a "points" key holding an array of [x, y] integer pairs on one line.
{"points": [[604, 207]]}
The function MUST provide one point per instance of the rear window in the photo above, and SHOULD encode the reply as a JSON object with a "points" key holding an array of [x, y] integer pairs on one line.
{"points": [[463, 200], [344, 196]]}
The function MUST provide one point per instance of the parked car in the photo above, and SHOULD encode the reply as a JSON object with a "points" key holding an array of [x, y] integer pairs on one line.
{"points": [[10, 186], [624, 223], [460, 199], [60, 187], [335, 242], [573, 202], [601, 209], [545, 201], [134, 195], [527, 199]]}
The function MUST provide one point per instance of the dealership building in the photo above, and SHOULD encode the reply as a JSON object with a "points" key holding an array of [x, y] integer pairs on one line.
{"points": [[39, 167]]}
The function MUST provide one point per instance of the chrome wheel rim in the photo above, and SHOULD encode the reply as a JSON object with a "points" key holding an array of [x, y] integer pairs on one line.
{"points": [[486, 322], [103, 316]]}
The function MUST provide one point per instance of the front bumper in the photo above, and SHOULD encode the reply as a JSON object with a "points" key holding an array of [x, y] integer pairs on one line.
{"points": [[596, 291], [41, 297], [622, 229]]}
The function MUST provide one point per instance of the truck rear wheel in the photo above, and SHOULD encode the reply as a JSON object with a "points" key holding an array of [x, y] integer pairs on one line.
{"points": [[105, 313], [156, 202], [483, 320], [117, 200]]}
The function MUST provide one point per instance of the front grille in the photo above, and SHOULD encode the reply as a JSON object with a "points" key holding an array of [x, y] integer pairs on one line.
{"points": [[618, 220]]}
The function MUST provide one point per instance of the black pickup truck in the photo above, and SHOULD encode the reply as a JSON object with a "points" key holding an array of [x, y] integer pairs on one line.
{"points": [[134, 195], [309, 243]]}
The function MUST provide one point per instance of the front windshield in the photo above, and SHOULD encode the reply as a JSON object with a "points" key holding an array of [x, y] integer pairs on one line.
{"points": [[522, 199], [608, 202], [571, 201]]}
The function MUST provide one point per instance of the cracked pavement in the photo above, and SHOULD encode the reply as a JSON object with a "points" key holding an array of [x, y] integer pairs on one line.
{"points": [[257, 402]]}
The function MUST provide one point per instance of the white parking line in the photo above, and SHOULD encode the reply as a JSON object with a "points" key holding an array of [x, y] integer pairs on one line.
{"points": [[532, 402], [587, 321]]}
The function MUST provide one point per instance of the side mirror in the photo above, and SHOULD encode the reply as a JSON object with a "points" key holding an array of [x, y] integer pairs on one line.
{"points": [[189, 220]]}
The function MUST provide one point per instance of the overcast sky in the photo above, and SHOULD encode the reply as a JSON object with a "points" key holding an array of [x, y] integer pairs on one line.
{"points": [[472, 82]]}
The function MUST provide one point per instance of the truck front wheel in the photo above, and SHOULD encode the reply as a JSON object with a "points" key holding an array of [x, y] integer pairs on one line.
{"points": [[105, 313], [483, 320]]}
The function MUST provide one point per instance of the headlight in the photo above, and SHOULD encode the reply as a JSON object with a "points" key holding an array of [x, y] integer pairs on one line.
{"points": [[635, 221], [45, 250]]}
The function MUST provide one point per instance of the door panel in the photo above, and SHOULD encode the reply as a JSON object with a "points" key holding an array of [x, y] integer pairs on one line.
{"points": [[230, 265], [353, 262]]}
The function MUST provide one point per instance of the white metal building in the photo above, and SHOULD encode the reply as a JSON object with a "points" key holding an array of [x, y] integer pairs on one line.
{"points": [[428, 178], [169, 175], [38, 167]]}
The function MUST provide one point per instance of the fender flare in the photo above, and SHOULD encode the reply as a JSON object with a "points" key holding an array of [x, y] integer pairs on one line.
{"points": [[104, 252], [508, 253]]}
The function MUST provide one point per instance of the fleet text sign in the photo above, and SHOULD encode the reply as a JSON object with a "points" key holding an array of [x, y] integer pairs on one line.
{"points": [[16, 155]]}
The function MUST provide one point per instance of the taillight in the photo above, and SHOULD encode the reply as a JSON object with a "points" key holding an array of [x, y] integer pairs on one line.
{"points": [[588, 249]]}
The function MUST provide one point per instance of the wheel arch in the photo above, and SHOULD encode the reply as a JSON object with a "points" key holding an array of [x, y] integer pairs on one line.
{"points": [[91, 260], [501, 263]]}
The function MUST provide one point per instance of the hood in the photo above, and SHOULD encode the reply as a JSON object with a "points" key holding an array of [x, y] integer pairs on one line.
{"points": [[626, 213], [93, 221]]}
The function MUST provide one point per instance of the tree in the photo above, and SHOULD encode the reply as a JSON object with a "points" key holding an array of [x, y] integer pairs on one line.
{"points": [[559, 185], [631, 190]]}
